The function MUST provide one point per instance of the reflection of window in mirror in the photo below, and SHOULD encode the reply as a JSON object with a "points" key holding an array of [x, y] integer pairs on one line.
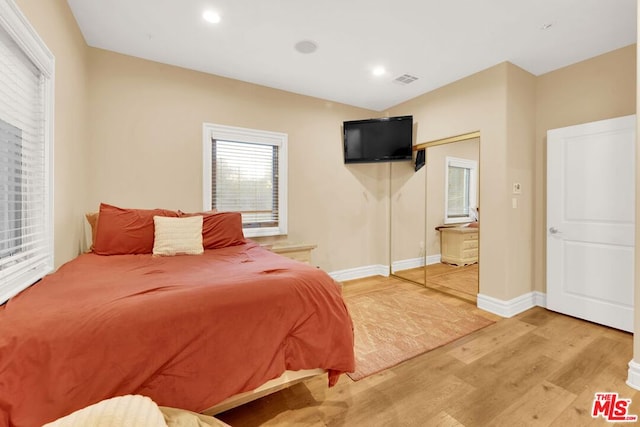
{"points": [[460, 190]]}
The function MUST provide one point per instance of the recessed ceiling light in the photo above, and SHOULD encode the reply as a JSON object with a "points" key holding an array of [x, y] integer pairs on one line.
{"points": [[378, 71], [211, 16], [306, 46]]}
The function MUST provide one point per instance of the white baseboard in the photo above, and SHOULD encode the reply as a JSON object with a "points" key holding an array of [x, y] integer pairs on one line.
{"points": [[633, 375], [407, 264], [540, 299], [433, 259], [514, 306], [360, 272], [493, 305]]}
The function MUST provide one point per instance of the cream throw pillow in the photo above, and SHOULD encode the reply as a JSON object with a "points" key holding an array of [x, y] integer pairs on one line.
{"points": [[121, 411], [177, 236]]}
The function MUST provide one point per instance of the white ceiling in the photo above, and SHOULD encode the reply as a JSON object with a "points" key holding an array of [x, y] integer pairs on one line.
{"points": [[438, 41]]}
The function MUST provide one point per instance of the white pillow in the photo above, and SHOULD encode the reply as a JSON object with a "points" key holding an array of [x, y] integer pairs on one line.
{"points": [[177, 236], [130, 410]]}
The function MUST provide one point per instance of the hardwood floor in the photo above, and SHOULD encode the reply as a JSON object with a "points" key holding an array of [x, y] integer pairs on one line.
{"points": [[538, 368], [458, 281]]}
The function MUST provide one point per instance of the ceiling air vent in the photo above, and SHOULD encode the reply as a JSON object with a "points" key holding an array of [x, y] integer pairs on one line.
{"points": [[405, 79]]}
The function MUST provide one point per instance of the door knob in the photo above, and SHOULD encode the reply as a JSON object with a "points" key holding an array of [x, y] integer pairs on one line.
{"points": [[553, 230]]}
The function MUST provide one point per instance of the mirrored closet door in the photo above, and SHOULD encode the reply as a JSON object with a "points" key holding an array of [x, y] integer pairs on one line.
{"points": [[435, 218]]}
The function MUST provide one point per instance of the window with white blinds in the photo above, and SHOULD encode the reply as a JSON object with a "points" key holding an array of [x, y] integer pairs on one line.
{"points": [[26, 74], [245, 171], [460, 190]]}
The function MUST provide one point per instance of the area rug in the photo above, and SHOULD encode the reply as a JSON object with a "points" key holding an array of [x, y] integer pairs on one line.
{"points": [[395, 324]]}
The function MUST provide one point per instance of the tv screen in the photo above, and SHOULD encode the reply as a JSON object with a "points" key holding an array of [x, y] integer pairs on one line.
{"points": [[378, 140]]}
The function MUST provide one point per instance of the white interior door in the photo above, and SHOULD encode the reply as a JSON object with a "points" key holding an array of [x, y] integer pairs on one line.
{"points": [[590, 221]]}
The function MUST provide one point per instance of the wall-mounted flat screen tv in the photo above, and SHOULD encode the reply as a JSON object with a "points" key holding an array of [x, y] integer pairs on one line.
{"points": [[378, 140]]}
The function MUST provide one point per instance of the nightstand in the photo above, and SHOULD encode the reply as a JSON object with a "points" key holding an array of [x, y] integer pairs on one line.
{"points": [[459, 245], [297, 251]]}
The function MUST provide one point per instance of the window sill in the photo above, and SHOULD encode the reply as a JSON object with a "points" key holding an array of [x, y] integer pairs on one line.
{"points": [[458, 220], [263, 232]]}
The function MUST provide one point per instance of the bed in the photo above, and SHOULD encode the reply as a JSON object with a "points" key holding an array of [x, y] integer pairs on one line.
{"points": [[188, 331]]}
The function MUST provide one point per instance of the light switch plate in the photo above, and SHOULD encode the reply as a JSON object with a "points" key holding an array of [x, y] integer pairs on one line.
{"points": [[517, 188]]}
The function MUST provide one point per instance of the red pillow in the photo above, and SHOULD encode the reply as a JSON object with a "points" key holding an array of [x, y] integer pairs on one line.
{"points": [[220, 229], [126, 231]]}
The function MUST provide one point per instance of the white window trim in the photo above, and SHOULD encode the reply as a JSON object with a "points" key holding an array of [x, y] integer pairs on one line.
{"points": [[473, 184], [231, 133], [24, 35]]}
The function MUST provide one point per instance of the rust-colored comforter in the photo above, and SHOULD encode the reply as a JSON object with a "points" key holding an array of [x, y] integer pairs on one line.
{"points": [[187, 331]]}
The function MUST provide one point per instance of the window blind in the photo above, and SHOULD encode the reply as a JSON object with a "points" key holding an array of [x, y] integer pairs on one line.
{"points": [[245, 179], [26, 252], [458, 192]]}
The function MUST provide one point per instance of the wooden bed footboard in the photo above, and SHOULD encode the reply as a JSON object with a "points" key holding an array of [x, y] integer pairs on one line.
{"points": [[287, 379]]}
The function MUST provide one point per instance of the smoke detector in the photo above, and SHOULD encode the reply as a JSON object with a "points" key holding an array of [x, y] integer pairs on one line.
{"points": [[306, 46]]}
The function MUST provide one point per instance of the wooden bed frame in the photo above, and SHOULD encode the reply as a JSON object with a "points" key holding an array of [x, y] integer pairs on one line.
{"points": [[287, 379]]}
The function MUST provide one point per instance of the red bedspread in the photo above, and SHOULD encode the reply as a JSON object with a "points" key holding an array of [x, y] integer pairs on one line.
{"points": [[187, 331]]}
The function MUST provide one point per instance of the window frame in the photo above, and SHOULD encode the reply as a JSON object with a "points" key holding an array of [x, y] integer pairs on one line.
{"points": [[16, 25], [472, 165], [213, 131]]}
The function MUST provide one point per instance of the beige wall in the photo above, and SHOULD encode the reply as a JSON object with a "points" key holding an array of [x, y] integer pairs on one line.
{"points": [[513, 110], [599, 88], [521, 113], [145, 151], [478, 102], [128, 131], [56, 25]]}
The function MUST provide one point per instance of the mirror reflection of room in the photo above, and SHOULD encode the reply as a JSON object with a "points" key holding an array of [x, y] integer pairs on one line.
{"points": [[450, 214], [453, 218], [408, 222]]}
